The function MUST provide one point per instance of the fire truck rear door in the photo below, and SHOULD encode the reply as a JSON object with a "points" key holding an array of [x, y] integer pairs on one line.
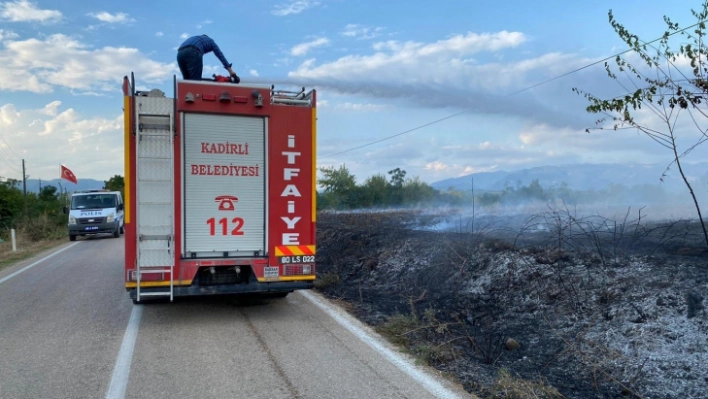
{"points": [[224, 185]]}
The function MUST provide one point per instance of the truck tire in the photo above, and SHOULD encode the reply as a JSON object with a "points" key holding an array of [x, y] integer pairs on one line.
{"points": [[116, 233], [72, 237], [122, 229]]}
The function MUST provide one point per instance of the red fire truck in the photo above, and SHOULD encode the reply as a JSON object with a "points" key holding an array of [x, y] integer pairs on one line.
{"points": [[219, 189]]}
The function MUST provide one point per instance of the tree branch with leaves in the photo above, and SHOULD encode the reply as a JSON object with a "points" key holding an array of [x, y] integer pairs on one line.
{"points": [[669, 84]]}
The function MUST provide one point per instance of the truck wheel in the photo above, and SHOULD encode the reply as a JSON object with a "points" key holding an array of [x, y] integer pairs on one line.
{"points": [[116, 233], [72, 237], [122, 230]]}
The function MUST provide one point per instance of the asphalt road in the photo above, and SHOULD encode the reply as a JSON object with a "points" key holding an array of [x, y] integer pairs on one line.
{"points": [[63, 324]]}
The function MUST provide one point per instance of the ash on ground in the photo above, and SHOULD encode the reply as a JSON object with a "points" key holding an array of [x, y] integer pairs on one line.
{"points": [[576, 308]]}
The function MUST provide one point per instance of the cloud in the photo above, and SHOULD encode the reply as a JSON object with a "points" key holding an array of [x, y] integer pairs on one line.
{"points": [[487, 153], [159, 34], [415, 62], [436, 166], [7, 34], [393, 154], [511, 125], [460, 72], [8, 115], [54, 134], [205, 22], [363, 107], [455, 169], [392, 57], [468, 145], [26, 11], [107, 17], [361, 32], [184, 35], [40, 65], [253, 72], [303, 48], [617, 143], [456, 150], [294, 7]]}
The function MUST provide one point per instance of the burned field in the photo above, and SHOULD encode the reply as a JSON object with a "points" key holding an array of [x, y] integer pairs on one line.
{"points": [[546, 306]]}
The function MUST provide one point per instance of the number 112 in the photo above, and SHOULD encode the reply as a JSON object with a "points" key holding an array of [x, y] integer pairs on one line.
{"points": [[224, 226]]}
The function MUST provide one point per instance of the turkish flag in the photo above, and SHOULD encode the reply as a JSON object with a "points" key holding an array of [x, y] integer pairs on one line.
{"points": [[68, 175]]}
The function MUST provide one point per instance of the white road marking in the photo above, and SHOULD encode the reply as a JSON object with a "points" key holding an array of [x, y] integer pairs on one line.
{"points": [[404, 365], [121, 371], [2, 280]]}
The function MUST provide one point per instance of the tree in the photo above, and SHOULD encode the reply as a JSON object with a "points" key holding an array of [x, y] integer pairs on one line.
{"points": [[338, 181], [11, 202], [115, 183], [416, 191], [398, 177], [48, 194], [679, 88], [377, 190], [338, 185]]}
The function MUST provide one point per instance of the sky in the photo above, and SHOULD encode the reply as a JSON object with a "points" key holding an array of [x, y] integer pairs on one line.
{"points": [[380, 68]]}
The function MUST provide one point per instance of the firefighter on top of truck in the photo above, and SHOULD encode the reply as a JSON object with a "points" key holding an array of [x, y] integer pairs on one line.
{"points": [[190, 57]]}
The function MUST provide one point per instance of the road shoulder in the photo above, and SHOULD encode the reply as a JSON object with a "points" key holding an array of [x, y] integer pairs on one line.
{"points": [[12, 261]]}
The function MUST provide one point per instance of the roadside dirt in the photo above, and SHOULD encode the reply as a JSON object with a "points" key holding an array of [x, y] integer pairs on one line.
{"points": [[523, 309]]}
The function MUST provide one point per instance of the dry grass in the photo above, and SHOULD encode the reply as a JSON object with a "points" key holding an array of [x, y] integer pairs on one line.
{"points": [[510, 387], [326, 280], [395, 328], [28, 247]]}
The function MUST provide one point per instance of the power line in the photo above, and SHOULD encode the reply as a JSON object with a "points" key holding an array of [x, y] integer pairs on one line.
{"points": [[399, 134], [7, 154], [10, 165], [7, 160], [8, 146], [510, 94]]}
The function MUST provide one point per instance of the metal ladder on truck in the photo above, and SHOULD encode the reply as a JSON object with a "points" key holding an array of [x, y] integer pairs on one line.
{"points": [[154, 164]]}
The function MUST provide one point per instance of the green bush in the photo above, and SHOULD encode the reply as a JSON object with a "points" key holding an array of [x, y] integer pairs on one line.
{"points": [[44, 219]]}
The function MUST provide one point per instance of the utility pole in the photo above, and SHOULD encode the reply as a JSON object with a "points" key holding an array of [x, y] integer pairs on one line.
{"points": [[24, 185], [473, 204]]}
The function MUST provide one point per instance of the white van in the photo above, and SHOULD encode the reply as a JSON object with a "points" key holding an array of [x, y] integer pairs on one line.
{"points": [[95, 212]]}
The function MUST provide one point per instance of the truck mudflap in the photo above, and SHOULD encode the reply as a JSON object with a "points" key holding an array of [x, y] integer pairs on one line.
{"points": [[226, 289]]}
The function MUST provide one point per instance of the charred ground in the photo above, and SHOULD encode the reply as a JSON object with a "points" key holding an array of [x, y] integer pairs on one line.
{"points": [[548, 305]]}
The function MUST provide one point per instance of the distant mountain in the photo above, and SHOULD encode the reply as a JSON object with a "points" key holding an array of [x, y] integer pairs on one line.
{"points": [[580, 176], [84, 184]]}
